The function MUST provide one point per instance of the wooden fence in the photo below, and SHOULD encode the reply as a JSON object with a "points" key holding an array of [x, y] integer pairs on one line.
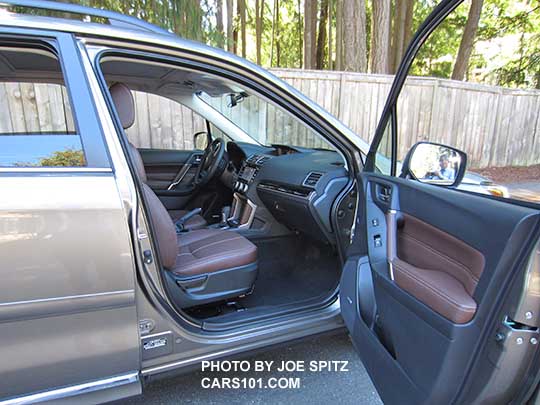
{"points": [[495, 126]]}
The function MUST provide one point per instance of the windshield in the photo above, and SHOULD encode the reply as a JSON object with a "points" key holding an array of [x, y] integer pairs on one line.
{"points": [[264, 122]]}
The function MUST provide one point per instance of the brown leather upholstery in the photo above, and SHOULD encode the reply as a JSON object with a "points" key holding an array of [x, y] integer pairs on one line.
{"points": [[198, 251], [125, 108], [438, 269], [205, 252], [139, 165], [195, 222], [164, 227], [210, 250], [438, 290]]}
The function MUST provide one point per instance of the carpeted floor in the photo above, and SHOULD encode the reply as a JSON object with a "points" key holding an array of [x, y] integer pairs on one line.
{"points": [[292, 270]]}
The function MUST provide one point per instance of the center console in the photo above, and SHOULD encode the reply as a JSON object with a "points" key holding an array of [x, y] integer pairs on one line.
{"points": [[247, 173]]}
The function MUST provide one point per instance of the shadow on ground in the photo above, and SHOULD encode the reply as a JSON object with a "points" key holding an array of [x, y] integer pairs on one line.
{"points": [[348, 387]]}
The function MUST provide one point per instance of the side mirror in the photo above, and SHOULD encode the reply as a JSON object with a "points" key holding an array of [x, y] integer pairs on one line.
{"points": [[201, 140], [434, 163]]}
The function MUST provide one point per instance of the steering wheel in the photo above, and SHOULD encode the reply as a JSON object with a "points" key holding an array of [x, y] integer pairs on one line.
{"points": [[210, 162]]}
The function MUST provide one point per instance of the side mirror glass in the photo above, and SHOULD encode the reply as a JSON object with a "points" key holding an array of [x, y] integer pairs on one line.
{"points": [[435, 164], [200, 140]]}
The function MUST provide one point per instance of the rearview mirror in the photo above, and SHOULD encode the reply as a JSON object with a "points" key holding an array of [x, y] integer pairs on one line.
{"points": [[434, 163]]}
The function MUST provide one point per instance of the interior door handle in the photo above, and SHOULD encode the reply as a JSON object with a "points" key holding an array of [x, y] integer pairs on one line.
{"points": [[383, 193], [391, 239], [179, 176]]}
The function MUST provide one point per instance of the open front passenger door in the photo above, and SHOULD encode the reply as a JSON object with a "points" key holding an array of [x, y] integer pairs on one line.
{"points": [[440, 290]]}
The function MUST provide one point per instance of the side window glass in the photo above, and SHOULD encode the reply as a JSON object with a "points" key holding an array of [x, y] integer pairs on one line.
{"points": [[36, 122], [485, 104], [264, 122], [162, 123], [383, 158]]}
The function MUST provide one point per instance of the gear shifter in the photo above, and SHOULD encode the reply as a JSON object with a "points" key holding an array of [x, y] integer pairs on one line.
{"points": [[233, 222], [225, 213]]}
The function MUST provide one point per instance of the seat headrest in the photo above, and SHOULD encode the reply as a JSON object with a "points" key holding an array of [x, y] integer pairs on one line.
{"points": [[123, 101]]}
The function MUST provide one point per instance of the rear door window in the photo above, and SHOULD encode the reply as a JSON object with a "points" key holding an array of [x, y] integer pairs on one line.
{"points": [[37, 128]]}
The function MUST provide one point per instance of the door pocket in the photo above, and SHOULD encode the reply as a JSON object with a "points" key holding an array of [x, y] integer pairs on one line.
{"points": [[435, 267]]}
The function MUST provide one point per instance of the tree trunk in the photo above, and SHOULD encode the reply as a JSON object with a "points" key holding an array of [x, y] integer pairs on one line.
{"points": [[278, 48], [300, 37], [354, 35], [310, 33], [242, 14], [230, 28], [321, 38], [402, 31], [330, 39], [380, 36], [339, 35], [273, 41], [235, 31], [258, 28], [467, 41], [219, 23]]}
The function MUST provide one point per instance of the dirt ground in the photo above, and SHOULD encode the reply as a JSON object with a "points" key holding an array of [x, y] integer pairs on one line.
{"points": [[511, 174]]}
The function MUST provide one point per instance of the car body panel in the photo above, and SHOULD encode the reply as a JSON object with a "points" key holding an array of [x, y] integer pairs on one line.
{"points": [[74, 313], [68, 318]]}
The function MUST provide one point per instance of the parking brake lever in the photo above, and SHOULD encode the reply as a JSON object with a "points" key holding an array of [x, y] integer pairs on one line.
{"points": [[180, 222]]}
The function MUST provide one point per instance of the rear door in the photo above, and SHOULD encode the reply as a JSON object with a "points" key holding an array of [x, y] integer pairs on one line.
{"points": [[440, 287], [68, 320]]}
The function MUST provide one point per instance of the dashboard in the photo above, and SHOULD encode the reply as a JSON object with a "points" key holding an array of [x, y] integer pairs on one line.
{"points": [[297, 186]]}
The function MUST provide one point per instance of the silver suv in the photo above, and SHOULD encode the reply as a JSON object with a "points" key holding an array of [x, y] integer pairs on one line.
{"points": [[166, 203]]}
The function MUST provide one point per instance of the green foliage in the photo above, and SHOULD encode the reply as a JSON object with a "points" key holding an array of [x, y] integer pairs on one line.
{"points": [[513, 22], [68, 157], [505, 19], [436, 57]]}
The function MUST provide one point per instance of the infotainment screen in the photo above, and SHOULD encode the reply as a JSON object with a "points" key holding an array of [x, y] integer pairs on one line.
{"points": [[248, 172]]}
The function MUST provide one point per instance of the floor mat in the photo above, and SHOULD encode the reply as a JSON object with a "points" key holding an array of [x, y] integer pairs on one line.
{"points": [[292, 270]]}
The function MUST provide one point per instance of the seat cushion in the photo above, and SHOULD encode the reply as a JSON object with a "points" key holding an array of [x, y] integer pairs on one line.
{"points": [[195, 222], [206, 251]]}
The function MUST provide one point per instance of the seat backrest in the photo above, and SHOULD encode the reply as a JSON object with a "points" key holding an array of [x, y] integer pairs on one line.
{"points": [[163, 225]]}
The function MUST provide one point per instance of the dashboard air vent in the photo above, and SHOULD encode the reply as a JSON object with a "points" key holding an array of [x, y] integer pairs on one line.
{"points": [[263, 159], [257, 159], [312, 179], [253, 158]]}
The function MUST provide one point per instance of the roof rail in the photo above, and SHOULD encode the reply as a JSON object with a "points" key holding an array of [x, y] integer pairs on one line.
{"points": [[115, 19]]}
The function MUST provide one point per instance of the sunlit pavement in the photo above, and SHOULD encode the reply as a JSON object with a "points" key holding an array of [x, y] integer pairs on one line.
{"points": [[348, 387]]}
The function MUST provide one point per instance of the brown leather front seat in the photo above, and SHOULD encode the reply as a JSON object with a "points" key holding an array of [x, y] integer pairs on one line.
{"points": [[125, 108], [203, 265]]}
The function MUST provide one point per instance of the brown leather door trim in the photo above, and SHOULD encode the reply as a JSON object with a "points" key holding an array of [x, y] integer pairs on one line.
{"points": [[434, 266]]}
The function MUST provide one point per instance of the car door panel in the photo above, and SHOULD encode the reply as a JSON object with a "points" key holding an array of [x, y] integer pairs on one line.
{"points": [[436, 268], [68, 318], [419, 300], [170, 174]]}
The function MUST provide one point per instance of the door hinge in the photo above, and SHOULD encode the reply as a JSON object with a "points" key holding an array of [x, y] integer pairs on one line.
{"points": [[517, 333]]}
